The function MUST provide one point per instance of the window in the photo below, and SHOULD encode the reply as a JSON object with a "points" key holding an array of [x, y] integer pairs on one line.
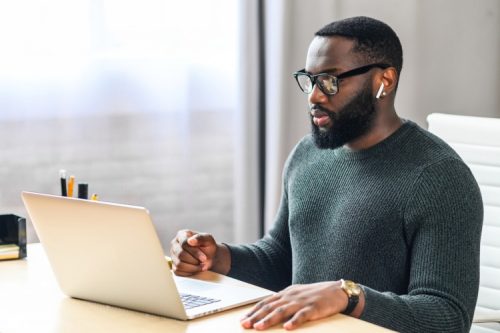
{"points": [[134, 97]]}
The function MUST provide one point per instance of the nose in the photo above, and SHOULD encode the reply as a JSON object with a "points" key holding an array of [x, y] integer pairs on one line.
{"points": [[316, 96]]}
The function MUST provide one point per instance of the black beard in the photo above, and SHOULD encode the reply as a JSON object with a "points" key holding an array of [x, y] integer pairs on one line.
{"points": [[348, 124]]}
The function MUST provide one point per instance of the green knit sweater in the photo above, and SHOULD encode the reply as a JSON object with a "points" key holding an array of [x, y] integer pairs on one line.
{"points": [[402, 218]]}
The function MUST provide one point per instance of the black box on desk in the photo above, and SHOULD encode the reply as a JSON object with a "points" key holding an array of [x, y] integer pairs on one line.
{"points": [[12, 237]]}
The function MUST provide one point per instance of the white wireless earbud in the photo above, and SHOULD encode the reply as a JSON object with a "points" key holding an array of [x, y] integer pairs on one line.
{"points": [[379, 92]]}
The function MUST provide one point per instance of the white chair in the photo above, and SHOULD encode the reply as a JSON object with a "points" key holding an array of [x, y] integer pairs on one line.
{"points": [[477, 141]]}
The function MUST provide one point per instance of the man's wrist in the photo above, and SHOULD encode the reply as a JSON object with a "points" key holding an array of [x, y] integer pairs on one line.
{"points": [[222, 260], [360, 307], [355, 298]]}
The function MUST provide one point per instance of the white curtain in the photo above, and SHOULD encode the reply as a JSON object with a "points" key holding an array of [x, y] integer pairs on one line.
{"points": [[451, 64], [246, 155], [136, 98]]}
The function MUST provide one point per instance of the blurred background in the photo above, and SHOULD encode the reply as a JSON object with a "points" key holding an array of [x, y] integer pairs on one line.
{"points": [[189, 108]]}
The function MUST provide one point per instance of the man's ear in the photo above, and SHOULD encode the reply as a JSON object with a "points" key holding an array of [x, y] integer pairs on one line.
{"points": [[389, 78]]}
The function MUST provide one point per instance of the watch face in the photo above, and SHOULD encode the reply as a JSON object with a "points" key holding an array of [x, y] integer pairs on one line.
{"points": [[352, 288]]}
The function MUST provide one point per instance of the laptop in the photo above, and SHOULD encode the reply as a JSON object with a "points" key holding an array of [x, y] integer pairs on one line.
{"points": [[110, 253]]}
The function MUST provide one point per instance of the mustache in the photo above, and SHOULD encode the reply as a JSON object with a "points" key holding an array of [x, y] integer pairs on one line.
{"points": [[318, 111]]}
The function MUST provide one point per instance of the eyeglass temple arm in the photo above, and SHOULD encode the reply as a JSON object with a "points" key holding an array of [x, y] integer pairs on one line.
{"points": [[361, 70]]}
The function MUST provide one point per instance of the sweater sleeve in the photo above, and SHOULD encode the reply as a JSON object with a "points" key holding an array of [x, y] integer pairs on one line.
{"points": [[266, 263], [443, 222]]}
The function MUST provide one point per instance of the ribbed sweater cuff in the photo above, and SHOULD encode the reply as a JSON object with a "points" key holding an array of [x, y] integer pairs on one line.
{"points": [[378, 308], [239, 254]]}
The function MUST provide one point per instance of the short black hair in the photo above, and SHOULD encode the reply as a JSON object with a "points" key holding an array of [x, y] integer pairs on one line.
{"points": [[375, 41]]}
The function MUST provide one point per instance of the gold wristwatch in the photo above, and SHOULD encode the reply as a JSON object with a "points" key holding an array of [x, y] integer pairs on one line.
{"points": [[353, 290]]}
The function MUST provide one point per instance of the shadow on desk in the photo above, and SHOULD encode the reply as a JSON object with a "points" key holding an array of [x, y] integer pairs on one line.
{"points": [[81, 316]]}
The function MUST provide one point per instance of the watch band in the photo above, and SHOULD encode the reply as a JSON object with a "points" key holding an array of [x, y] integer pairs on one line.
{"points": [[351, 305]]}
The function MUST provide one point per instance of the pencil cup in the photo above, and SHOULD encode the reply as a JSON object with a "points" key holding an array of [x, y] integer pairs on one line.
{"points": [[83, 191], [12, 237]]}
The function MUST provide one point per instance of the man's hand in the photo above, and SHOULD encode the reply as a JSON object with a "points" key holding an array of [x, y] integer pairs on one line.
{"points": [[296, 305], [193, 252]]}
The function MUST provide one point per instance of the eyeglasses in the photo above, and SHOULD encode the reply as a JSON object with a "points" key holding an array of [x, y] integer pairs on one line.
{"points": [[329, 84]]}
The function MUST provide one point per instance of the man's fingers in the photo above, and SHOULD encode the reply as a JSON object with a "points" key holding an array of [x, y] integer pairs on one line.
{"points": [[187, 240], [195, 253], [183, 269], [278, 315], [186, 257], [260, 304], [185, 262], [191, 252], [260, 314], [178, 254], [183, 235], [201, 240], [256, 316], [300, 317]]}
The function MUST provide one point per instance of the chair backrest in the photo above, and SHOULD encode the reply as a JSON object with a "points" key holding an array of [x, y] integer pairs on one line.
{"points": [[477, 141]]}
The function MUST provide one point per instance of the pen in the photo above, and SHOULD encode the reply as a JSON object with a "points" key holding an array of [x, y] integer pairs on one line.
{"points": [[83, 191], [71, 185], [169, 261], [62, 176]]}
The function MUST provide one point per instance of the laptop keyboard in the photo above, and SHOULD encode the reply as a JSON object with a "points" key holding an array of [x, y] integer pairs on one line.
{"points": [[192, 301]]}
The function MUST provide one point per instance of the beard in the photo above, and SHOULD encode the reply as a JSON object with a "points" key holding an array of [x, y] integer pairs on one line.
{"points": [[349, 123]]}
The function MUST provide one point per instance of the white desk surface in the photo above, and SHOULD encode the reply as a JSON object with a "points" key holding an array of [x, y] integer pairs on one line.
{"points": [[30, 301]]}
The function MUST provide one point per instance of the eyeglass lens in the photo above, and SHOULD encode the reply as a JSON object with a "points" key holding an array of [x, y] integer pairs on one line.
{"points": [[326, 83]]}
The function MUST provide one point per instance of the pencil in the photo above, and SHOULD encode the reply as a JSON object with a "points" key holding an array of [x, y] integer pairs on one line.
{"points": [[71, 185]]}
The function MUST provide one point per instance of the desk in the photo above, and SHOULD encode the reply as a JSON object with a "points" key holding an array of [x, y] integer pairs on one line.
{"points": [[30, 301]]}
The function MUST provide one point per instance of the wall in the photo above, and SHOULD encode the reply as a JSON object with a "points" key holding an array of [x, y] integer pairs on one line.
{"points": [[451, 54]]}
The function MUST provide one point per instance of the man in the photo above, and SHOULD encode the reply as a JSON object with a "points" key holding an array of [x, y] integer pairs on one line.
{"points": [[379, 219]]}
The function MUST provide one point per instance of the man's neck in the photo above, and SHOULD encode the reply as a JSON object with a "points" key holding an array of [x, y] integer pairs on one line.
{"points": [[383, 126]]}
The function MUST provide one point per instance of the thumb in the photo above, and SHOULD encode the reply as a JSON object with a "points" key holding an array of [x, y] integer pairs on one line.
{"points": [[200, 240]]}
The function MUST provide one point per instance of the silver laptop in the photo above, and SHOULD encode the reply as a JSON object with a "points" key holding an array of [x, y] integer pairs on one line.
{"points": [[111, 254]]}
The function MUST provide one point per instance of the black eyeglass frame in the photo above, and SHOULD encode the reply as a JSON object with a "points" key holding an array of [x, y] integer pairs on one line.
{"points": [[334, 78]]}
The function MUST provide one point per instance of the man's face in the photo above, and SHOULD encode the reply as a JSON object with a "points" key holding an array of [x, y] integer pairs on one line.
{"points": [[347, 115], [347, 124]]}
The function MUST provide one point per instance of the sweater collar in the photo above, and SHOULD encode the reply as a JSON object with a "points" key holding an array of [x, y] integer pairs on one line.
{"points": [[380, 148]]}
